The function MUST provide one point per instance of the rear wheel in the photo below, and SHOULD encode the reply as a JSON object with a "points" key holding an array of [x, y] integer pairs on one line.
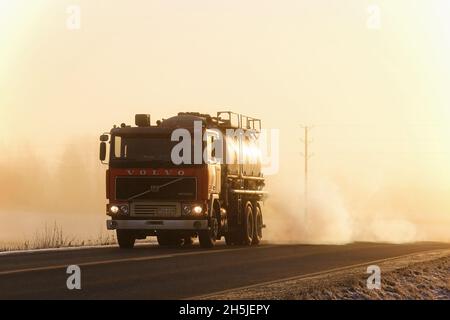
{"points": [[248, 227], [258, 218], [126, 239]]}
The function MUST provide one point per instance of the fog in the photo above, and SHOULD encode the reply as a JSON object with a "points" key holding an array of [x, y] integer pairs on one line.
{"points": [[378, 100], [351, 204], [41, 187], [366, 201]]}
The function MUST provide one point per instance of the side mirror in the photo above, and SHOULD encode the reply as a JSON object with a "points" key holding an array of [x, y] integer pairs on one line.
{"points": [[102, 151], [104, 138]]}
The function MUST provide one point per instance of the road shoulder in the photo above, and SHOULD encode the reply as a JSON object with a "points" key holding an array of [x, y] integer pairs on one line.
{"points": [[416, 276]]}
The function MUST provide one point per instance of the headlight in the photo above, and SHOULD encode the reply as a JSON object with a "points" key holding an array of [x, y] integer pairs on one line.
{"points": [[114, 209], [197, 209], [119, 209], [191, 209]]}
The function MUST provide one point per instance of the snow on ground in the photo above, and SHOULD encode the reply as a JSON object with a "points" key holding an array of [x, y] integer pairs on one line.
{"points": [[417, 276]]}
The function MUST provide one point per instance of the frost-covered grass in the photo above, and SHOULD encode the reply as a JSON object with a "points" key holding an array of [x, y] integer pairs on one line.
{"points": [[52, 236], [428, 280], [420, 276]]}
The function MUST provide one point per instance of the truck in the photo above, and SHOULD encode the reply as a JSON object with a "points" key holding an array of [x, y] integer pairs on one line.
{"points": [[162, 182]]}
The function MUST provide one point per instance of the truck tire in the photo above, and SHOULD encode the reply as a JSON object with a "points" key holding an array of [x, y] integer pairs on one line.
{"points": [[207, 238], [169, 239], [258, 219], [126, 239], [248, 225]]}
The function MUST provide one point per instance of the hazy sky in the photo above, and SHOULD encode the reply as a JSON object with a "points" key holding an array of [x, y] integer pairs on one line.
{"points": [[288, 62], [379, 98]]}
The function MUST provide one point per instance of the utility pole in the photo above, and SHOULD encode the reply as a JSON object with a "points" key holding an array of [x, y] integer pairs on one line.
{"points": [[306, 155]]}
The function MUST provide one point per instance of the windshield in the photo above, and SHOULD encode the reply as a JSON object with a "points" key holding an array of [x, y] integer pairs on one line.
{"points": [[156, 150]]}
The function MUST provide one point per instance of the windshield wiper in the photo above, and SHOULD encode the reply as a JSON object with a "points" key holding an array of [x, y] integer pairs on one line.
{"points": [[154, 189]]}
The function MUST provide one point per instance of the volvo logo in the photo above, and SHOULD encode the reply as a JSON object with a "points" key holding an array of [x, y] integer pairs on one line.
{"points": [[144, 172]]}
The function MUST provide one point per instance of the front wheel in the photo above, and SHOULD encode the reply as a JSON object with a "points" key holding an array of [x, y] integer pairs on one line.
{"points": [[126, 239], [207, 238]]}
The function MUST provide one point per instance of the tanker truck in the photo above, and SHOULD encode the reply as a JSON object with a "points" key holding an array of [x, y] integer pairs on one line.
{"points": [[189, 176]]}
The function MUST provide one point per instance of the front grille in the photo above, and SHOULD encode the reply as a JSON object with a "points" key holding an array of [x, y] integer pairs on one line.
{"points": [[160, 210], [156, 188]]}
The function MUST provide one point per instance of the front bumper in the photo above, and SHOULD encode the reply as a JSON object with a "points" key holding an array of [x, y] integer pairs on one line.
{"points": [[157, 224]]}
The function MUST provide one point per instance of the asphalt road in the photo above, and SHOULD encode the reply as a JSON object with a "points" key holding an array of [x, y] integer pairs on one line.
{"points": [[151, 272]]}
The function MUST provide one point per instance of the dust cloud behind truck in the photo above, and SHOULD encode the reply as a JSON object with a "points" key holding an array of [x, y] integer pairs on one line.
{"points": [[160, 183]]}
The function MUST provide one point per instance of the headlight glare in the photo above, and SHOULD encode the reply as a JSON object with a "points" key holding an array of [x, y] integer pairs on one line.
{"points": [[188, 209], [197, 209], [114, 209]]}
